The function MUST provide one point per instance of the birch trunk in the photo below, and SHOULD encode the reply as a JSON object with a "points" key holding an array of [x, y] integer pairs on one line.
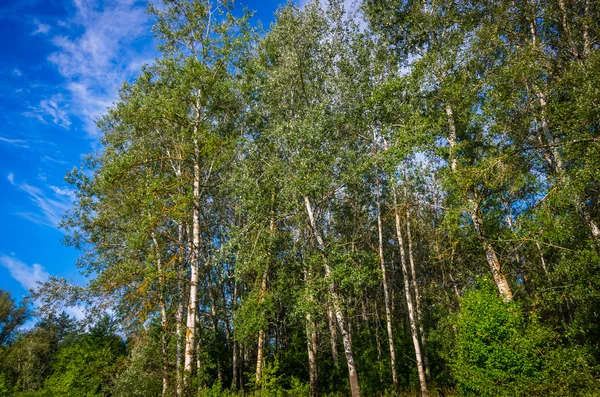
{"points": [[332, 334], [409, 299], [490, 253], [234, 359], [163, 319], [336, 302], [261, 333], [551, 140], [311, 341], [261, 297], [417, 294], [386, 297], [311, 333], [190, 332], [215, 324]]}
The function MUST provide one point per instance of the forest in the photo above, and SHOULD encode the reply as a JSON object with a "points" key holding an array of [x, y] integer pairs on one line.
{"points": [[396, 199]]}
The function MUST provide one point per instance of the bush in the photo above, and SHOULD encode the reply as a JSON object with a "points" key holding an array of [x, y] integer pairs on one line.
{"points": [[500, 352]]}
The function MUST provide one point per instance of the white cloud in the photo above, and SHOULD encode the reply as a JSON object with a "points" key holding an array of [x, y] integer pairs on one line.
{"points": [[63, 192], [12, 141], [52, 108], [30, 277], [48, 158], [40, 28], [27, 276], [95, 62], [51, 206], [16, 72]]}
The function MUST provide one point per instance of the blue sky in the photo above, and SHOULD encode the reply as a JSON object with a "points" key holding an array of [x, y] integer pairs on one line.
{"points": [[61, 64]]}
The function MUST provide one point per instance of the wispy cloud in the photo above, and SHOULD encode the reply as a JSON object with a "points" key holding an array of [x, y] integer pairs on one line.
{"points": [[16, 72], [51, 206], [95, 58], [15, 142], [28, 276], [31, 277], [53, 109], [41, 28]]}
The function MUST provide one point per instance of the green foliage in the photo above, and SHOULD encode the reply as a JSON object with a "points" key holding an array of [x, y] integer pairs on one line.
{"points": [[88, 365], [4, 386], [501, 352], [11, 317], [482, 115], [140, 376]]}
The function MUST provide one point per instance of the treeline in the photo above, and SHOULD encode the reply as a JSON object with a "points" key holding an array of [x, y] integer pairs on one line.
{"points": [[400, 199]]}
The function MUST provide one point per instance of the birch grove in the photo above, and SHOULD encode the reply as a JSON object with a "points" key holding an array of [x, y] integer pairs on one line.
{"points": [[396, 198]]}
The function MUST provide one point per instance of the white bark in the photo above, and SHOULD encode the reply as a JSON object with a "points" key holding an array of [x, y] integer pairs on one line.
{"points": [[332, 334], [163, 318], [409, 299], [190, 333], [336, 302], [490, 253], [415, 287], [386, 295]]}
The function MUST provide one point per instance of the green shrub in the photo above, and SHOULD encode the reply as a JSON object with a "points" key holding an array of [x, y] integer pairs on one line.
{"points": [[501, 352]]}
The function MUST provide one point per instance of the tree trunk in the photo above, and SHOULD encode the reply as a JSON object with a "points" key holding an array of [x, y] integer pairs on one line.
{"points": [[409, 299], [163, 318], [311, 342], [415, 285], [417, 294], [336, 302], [234, 359], [332, 334], [557, 160], [215, 324], [490, 253], [386, 297], [190, 332], [261, 297], [261, 333]]}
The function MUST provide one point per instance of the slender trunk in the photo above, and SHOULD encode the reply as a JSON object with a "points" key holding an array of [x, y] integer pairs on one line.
{"points": [[336, 302], [202, 383], [311, 331], [386, 297], [163, 318], [261, 297], [363, 312], [332, 334], [311, 341], [234, 359], [454, 283], [559, 168], [261, 333], [587, 42], [409, 299], [224, 295], [542, 260], [180, 301], [378, 342], [243, 367], [179, 344], [490, 253], [215, 324], [557, 160], [417, 294], [190, 333]]}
